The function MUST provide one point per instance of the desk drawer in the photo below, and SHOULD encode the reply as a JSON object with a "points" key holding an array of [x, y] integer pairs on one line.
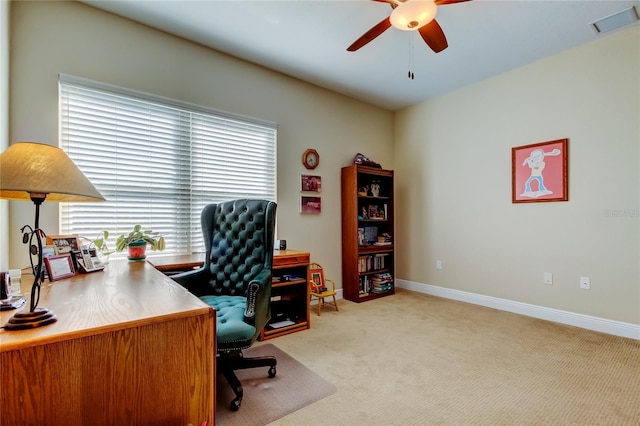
{"points": [[290, 260]]}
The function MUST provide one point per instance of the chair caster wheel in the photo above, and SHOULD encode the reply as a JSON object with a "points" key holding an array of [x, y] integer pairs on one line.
{"points": [[235, 404], [272, 372]]}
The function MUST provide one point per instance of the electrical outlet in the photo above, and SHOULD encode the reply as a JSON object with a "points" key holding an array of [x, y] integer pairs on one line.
{"points": [[585, 283], [438, 264], [548, 278]]}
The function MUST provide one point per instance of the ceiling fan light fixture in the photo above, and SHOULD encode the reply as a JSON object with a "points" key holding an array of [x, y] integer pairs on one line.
{"points": [[413, 14]]}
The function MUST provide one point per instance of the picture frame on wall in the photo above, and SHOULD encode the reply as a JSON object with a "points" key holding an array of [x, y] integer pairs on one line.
{"points": [[311, 183], [539, 172], [310, 205]]}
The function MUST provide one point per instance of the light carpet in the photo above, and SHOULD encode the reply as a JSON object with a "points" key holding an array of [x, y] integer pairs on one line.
{"points": [[268, 399], [415, 359]]}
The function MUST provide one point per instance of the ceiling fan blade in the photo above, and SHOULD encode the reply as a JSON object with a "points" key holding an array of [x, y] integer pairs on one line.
{"points": [[442, 2], [433, 35], [374, 32]]}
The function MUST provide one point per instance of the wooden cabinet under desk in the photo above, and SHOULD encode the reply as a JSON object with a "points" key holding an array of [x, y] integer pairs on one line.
{"points": [[290, 295], [130, 347]]}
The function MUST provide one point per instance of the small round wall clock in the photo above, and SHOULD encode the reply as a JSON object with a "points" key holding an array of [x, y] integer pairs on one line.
{"points": [[311, 159]]}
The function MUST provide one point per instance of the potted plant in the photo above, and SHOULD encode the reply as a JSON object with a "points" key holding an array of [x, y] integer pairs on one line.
{"points": [[100, 245], [137, 240]]}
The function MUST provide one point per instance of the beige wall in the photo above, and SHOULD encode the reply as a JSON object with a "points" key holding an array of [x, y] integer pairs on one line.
{"points": [[50, 38], [4, 125], [453, 176]]}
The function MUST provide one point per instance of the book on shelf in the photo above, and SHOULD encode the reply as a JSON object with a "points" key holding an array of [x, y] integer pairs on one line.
{"points": [[376, 283], [364, 285], [378, 290], [372, 262]]}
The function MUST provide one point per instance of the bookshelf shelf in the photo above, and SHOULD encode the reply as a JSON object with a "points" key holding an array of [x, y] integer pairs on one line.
{"points": [[368, 254]]}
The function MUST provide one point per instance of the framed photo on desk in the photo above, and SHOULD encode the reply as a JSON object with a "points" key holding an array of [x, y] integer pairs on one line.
{"points": [[64, 243], [59, 266]]}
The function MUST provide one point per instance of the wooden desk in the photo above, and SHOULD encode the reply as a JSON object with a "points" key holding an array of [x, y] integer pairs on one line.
{"points": [[130, 347], [177, 262]]}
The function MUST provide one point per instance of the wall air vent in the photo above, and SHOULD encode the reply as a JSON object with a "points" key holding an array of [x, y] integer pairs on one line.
{"points": [[615, 21]]}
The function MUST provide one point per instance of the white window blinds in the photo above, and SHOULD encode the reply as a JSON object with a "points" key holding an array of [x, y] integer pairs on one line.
{"points": [[158, 162]]}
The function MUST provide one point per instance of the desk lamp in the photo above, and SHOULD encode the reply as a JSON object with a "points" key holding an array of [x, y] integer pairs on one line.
{"points": [[39, 172]]}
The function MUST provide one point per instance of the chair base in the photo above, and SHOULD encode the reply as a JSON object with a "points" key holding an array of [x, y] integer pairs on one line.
{"points": [[227, 363]]}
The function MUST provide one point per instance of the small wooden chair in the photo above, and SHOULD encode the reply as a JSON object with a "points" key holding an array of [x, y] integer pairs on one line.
{"points": [[319, 287]]}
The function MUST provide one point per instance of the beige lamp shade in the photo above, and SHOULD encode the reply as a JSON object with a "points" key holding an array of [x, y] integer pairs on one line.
{"points": [[34, 168]]}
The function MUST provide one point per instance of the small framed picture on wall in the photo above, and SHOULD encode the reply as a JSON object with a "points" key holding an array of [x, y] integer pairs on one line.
{"points": [[310, 205], [311, 183]]}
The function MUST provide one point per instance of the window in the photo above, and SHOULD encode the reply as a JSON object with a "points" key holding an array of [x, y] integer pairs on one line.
{"points": [[158, 162]]}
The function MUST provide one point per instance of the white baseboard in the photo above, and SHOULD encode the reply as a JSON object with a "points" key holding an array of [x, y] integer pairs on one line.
{"points": [[603, 325]]}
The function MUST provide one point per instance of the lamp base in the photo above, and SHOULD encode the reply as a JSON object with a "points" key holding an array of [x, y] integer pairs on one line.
{"points": [[25, 320]]}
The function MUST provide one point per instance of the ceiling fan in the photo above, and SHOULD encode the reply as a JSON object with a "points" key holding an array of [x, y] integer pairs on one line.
{"points": [[410, 15]]}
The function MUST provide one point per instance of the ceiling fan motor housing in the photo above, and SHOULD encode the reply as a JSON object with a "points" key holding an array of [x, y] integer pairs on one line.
{"points": [[413, 14]]}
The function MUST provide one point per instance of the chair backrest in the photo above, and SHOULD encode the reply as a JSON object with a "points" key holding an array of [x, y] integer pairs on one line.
{"points": [[238, 237]]}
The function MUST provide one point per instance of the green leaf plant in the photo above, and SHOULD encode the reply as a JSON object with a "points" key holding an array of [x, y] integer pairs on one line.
{"points": [[100, 243], [153, 239]]}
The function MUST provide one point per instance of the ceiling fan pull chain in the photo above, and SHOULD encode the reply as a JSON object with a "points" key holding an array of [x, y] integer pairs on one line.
{"points": [[410, 73]]}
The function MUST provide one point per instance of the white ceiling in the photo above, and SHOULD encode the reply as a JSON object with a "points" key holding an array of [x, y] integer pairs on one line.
{"points": [[308, 39]]}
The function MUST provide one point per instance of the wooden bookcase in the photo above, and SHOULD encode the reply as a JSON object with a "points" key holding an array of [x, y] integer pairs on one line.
{"points": [[289, 294], [367, 218]]}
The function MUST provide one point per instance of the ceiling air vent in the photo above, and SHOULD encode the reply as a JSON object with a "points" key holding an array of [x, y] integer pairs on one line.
{"points": [[615, 21]]}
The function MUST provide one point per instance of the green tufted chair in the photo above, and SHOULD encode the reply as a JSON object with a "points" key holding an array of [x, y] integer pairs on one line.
{"points": [[236, 281]]}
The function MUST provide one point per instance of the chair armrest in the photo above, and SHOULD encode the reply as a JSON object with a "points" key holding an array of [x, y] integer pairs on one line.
{"points": [[258, 311], [195, 281], [332, 283]]}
